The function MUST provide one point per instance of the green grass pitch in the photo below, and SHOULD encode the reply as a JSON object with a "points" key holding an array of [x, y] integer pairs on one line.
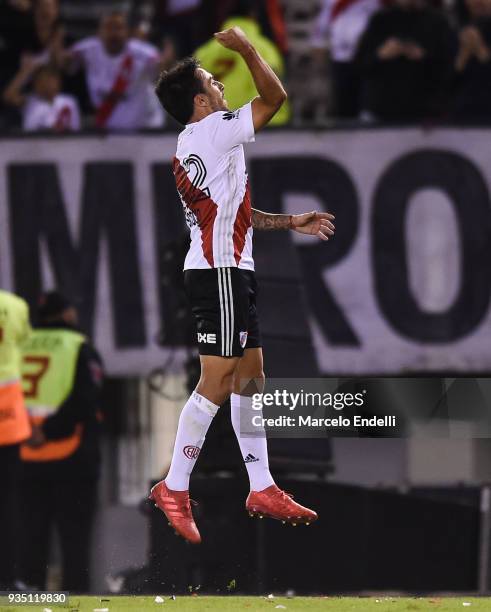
{"points": [[262, 604]]}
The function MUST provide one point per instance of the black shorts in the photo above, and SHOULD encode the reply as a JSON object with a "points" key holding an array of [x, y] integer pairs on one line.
{"points": [[223, 301]]}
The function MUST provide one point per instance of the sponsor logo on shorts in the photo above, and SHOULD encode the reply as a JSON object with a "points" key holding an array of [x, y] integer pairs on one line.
{"points": [[207, 338], [191, 452], [243, 338]]}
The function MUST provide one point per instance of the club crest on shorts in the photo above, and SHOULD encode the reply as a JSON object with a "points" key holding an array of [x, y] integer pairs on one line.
{"points": [[191, 452], [242, 338]]}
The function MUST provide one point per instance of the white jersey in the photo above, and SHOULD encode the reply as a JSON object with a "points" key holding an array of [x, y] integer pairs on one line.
{"points": [[130, 74], [61, 114], [212, 182]]}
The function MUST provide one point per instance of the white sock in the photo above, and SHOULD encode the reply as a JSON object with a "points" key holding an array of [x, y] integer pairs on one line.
{"points": [[196, 417], [254, 446]]}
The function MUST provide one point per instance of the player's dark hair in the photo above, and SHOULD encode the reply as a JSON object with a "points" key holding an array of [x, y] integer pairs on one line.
{"points": [[177, 87], [245, 8], [109, 13], [46, 69]]}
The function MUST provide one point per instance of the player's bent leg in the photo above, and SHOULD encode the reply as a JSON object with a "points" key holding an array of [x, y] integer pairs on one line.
{"points": [[265, 498], [249, 380], [172, 494], [217, 377], [249, 375]]}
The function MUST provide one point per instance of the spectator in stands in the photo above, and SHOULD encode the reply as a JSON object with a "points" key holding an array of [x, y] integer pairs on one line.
{"points": [[15, 23], [405, 59], [120, 72], [81, 17], [473, 64], [45, 37], [339, 27], [45, 108], [27, 26], [182, 21], [269, 14], [229, 68]]}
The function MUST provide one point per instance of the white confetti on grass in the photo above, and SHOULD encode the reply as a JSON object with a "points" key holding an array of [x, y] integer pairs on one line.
{"points": [[159, 599]]}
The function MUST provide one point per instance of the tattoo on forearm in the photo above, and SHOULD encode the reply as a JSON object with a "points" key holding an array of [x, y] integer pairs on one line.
{"points": [[267, 221]]}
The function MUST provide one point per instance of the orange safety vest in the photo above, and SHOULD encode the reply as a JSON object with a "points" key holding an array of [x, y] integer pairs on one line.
{"points": [[52, 450], [14, 420]]}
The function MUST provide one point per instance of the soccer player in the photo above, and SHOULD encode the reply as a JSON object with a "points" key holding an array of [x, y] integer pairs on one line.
{"points": [[212, 182]]}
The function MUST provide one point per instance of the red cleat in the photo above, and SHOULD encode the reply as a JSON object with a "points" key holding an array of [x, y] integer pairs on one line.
{"points": [[176, 506], [275, 503]]}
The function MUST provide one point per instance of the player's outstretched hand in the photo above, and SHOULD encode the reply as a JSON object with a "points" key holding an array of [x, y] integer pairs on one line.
{"points": [[234, 39], [315, 224]]}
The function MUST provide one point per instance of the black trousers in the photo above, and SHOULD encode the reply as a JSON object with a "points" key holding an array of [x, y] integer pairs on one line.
{"points": [[68, 506], [9, 513], [346, 81]]}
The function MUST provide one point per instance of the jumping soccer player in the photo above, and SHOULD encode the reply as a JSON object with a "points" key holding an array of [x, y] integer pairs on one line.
{"points": [[212, 182]]}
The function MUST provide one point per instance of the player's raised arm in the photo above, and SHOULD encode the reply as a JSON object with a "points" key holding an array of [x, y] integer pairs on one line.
{"points": [[271, 91]]}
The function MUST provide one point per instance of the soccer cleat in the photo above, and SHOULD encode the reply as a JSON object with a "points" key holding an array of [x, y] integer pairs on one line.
{"points": [[275, 503], [176, 506]]}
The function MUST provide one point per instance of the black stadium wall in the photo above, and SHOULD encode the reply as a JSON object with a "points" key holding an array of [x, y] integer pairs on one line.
{"points": [[404, 285]]}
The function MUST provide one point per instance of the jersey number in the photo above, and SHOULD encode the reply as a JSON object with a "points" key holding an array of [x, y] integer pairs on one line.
{"points": [[196, 170], [34, 378]]}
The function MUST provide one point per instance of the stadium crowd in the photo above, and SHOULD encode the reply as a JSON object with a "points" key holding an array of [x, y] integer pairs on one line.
{"points": [[74, 64]]}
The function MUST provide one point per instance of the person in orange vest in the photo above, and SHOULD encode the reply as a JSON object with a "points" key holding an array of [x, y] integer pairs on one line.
{"points": [[14, 424], [62, 378]]}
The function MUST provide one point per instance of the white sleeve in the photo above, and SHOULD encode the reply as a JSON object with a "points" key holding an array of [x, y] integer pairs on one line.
{"points": [[81, 49], [75, 119], [149, 54], [33, 116], [320, 33], [231, 128]]}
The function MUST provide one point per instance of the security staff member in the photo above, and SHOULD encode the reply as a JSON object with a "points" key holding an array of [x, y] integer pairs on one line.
{"points": [[62, 377], [14, 424]]}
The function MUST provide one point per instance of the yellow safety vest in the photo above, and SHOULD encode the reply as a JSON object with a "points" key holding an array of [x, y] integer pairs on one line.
{"points": [[14, 330], [229, 67], [49, 364]]}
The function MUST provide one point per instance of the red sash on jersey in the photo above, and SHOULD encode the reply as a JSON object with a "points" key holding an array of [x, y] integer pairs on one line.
{"points": [[118, 89], [339, 7], [63, 119]]}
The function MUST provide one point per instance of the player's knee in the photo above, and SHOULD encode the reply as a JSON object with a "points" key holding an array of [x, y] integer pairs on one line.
{"points": [[217, 388], [227, 385], [251, 384], [259, 382]]}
